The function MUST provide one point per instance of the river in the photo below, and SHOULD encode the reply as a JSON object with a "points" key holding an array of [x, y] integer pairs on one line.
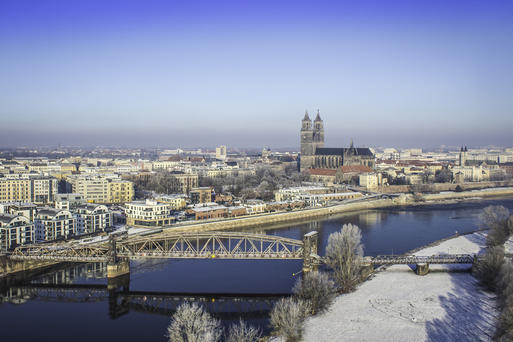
{"points": [[79, 308]]}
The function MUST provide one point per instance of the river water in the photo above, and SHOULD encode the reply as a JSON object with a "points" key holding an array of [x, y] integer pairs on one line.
{"points": [[73, 303]]}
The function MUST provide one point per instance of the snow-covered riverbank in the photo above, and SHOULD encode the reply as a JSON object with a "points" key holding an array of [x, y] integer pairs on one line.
{"points": [[397, 305]]}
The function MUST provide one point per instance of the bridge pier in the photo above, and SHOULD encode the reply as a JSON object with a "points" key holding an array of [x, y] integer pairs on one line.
{"points": [[422, 269], [310, 251], [117, 269]]}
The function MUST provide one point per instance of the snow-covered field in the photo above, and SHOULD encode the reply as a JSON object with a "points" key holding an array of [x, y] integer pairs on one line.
{"points": [[397, 305]]}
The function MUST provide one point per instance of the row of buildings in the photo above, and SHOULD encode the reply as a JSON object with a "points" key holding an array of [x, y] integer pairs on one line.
{"points": [[23, 223]]}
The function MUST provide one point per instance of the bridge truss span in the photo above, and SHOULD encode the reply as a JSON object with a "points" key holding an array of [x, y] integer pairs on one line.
{"points": [[62, 252], [224, 245], [431, 259], [208, 245]]}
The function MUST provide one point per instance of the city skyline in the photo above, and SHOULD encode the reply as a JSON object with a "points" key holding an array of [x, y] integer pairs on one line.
{"points": [[241, 74]]}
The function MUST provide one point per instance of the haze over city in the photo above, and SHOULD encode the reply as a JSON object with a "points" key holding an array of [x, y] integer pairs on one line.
{"points": [[202, 73], [256, 170]]}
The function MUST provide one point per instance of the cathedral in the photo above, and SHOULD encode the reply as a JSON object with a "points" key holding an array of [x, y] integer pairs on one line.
{"points": [[315, 155]]}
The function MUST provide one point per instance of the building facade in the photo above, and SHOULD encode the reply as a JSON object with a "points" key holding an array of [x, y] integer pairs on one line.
{"points": [[15, 230], [54, 224], [147, 213], [175, 202], [201, 195], [28, 188], [101, 189], [92, 218], [120, 191]]}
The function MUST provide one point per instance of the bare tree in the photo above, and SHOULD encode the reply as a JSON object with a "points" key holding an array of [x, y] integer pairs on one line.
{"points": [[191, 323], [487, 268], [242, 332], [317, 289], [505, 281], [344, 255], [504, 288], [495, 218], [287, 318]]}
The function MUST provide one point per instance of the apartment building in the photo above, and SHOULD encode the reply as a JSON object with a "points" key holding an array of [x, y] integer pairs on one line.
{"points": [[175, 202], [28, 188], [148, 213], [102, 189], [68, 201], [15, 190], [120, 191], [52, 224], [92, 218], [187, 180], [15, 230], [44, 189], [201, 195]]}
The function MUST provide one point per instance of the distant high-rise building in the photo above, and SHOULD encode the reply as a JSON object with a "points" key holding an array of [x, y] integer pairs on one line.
{"points": [[221, 152]]}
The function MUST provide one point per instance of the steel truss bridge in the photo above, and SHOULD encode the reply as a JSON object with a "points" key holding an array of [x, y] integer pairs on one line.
{"points": [[223, 245], [432, 259]]}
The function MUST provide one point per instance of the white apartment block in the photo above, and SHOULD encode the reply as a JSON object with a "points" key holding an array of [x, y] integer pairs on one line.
{"points": [[15, 230], [147, 213], [92, 218], [52, 224]]}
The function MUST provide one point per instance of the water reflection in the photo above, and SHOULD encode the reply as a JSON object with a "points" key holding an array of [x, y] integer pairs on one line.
{"points": [[229, 288]]}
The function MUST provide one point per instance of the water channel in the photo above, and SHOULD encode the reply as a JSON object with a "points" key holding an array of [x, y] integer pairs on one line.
{"points": [[73, 304]]}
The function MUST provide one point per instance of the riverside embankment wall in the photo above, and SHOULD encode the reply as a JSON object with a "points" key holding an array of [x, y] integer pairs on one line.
{"points": [[436, 187], [305, 214]]}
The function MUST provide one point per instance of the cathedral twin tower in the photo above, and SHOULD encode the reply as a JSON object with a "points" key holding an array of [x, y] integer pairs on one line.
{"points": [[312, 137], [315, 155]]}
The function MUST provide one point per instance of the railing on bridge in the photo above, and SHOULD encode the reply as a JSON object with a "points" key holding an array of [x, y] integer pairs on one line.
{"points": [[226, 245], [416, 259]]}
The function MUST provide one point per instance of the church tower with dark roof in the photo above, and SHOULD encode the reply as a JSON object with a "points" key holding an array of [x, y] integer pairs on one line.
{"points": [[307, 143], [318, 134]]}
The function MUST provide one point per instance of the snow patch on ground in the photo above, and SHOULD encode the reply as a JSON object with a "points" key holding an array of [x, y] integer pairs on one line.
{"points": [[398, 305]]}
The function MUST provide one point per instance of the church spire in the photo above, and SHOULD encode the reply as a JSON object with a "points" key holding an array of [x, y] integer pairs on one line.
{"points": [[306, 116], [318, 117]]}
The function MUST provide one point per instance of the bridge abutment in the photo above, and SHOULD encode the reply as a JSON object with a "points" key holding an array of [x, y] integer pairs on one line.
{"points": [[118, 268], [367, 268], [422, 269]]}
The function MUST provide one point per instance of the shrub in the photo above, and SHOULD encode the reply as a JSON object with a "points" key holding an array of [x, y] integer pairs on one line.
{"points": [[242, 332], [344, 254], [191, 323], [504, 330], [504, 281], [287, 318], [317, 289], [488, 266]]}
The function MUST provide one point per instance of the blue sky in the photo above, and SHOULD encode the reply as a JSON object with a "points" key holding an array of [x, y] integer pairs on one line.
{"points": [[242, 73]]}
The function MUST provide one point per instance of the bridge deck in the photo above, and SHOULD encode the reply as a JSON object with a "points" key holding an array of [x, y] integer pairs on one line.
{"points": [[432, 259]]}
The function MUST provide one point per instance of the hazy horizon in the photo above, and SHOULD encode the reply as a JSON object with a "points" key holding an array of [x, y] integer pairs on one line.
{"points": [[240, 73]]}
